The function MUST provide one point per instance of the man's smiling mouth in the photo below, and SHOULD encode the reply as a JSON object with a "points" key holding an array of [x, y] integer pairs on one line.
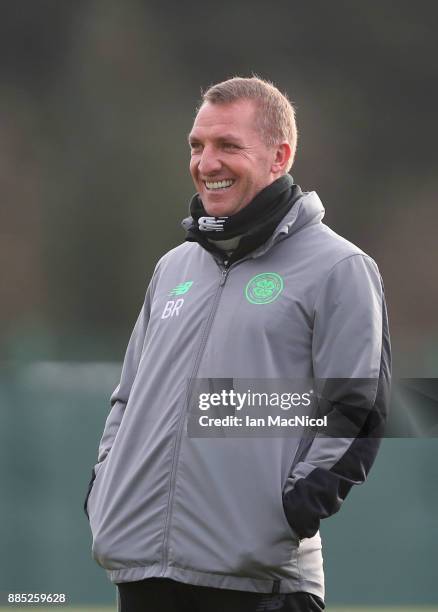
{"points": [[224, 184]]}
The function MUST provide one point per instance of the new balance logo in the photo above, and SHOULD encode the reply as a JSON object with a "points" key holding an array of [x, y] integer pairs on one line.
{"points": [[211, 224], [172, 307], [272, 602], [181, 288]]}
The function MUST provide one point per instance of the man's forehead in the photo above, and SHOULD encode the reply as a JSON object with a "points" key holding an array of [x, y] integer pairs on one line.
{"points": [[219, 117]]}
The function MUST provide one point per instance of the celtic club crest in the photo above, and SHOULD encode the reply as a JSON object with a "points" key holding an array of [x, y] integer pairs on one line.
{"points": [[264, 288]]}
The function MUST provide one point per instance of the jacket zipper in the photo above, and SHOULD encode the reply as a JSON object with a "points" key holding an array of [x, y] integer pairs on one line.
{"points": [[208, 324]]}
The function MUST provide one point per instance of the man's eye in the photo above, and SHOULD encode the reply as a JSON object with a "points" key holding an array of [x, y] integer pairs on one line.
{"points": [[195, 146], [230, 145]]}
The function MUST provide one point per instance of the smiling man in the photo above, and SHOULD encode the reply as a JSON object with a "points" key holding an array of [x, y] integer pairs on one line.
{"points": [[231, 161], [260, 289]]}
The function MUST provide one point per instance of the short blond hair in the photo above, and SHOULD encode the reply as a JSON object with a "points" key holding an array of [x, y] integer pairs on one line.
{"points": [[275, 113]]}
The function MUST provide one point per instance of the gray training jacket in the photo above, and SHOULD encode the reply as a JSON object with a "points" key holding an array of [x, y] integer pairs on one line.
{"points": [[238, 513]]}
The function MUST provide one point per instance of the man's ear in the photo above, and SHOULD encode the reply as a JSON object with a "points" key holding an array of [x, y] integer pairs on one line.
{"points": [[282, 156]]}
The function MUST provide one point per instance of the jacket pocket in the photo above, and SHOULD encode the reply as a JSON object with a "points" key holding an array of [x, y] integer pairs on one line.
{"points": [[94, 473], [90, 486], [294, 534]]}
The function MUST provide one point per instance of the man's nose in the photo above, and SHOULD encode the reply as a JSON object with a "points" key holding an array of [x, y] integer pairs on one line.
{"points": [[209, 162]]}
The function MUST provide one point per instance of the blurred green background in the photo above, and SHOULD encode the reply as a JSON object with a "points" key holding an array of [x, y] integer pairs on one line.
{"points": [[96, 99]]}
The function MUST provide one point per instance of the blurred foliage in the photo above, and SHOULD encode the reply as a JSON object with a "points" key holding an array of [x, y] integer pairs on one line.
{"points": [[96, 99]]}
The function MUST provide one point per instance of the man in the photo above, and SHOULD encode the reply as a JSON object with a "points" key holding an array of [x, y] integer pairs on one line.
{"points": [[260, 289]]}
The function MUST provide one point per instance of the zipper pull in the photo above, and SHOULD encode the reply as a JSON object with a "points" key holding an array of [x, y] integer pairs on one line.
{"points": [[223, 277]]}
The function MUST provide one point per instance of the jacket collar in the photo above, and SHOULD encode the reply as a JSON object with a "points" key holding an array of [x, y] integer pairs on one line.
{"points": [[306, 211]]}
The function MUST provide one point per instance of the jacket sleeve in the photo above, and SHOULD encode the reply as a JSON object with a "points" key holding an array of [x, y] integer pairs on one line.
{"points": [[352, 366], [120, 396]]}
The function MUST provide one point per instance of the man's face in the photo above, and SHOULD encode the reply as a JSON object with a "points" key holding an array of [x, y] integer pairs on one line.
{"points": [[229, 163]]}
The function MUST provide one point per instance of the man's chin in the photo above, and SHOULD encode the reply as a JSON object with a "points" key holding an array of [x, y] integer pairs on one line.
{"points": [[220, 209]]}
